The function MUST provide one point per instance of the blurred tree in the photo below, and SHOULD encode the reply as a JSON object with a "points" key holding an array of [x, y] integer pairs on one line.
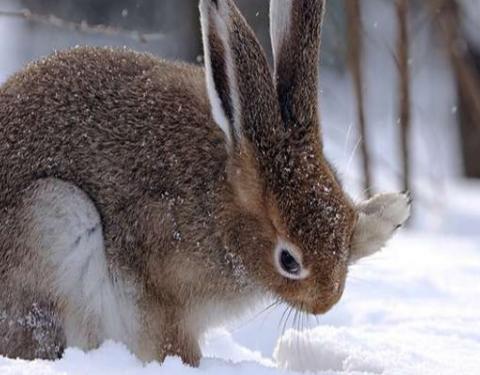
{"points": [[465, 59], [355, 57], [404, 108], [178, 20]]}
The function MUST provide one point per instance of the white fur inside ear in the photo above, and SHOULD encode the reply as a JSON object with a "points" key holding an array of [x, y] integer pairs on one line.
{"points": [[280, 19], [296, 254], [220, 20], [217, 111], [378, 218]]}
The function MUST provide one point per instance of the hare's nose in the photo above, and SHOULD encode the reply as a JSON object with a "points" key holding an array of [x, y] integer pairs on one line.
{"points": [[327, 300]]}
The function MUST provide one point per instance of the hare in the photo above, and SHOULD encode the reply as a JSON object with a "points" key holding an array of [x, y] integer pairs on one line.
{"points": [[145, 201]]}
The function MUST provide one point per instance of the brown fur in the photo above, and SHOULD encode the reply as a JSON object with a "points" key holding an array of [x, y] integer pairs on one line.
{"points": [[131, 156], [301, 193], [189, 220]]}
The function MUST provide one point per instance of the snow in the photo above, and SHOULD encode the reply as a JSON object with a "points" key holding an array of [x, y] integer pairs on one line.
{"points": [[412, 309]]}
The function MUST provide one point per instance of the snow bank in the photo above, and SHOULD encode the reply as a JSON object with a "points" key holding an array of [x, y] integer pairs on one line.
{"points": [[413, 309], [114, 359]]}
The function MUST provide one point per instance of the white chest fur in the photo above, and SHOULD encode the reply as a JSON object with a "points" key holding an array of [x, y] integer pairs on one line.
{"points": [[215, 313]]}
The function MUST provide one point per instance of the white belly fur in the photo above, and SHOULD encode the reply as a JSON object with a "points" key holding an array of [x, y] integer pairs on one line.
{"points": [[68, 234]]}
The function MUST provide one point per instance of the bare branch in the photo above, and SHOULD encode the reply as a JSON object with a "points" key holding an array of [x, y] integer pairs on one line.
{"points": [[403, 45], [82, 27], [469, 80], [355, 49], [448, 17]]}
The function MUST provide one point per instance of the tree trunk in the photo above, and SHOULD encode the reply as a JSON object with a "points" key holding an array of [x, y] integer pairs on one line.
{"points": [[404, 87], [466, 66], [355, 48], [181, 32]]}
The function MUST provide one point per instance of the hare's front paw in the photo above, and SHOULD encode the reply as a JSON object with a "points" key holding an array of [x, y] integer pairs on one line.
{"points": [[391, 209], [378, 218]]}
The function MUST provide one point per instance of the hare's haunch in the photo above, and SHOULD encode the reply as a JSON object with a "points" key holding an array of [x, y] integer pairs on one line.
{"points": [[145, 201]]}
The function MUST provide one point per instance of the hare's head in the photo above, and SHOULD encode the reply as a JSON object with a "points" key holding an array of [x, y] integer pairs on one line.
{"points": [[311, 229]]}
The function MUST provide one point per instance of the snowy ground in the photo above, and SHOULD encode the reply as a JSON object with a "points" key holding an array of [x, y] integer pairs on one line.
{"points": [[412, 309]]}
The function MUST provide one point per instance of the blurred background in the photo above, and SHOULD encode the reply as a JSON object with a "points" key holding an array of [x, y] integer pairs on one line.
{"points": [[400, 83]]}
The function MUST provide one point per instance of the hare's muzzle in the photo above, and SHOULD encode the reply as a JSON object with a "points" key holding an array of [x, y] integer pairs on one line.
{"points": [[326, 292], [327, 300]]}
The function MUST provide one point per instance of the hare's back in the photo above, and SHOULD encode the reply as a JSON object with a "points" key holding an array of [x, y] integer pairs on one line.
{"points": [[114, 122]]}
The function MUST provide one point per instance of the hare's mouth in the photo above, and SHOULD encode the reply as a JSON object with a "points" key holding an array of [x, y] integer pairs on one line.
{"points": [[318, 304], [313, 307], [321, 307]]}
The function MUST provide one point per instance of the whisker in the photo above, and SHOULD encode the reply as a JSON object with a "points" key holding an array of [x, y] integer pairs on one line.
{"points": [[352, 155], [302, 314], [290, 309], [347, 138], [297, 341], [268, 309], [310, 352], [281, 318]]}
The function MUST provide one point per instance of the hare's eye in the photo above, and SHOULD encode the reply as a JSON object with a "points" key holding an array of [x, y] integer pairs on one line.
{"points": [[288, 262]]}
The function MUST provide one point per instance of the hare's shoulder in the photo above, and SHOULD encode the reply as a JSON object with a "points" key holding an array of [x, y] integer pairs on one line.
{"points": [[111, 87], [108, 115], [96, 69]]}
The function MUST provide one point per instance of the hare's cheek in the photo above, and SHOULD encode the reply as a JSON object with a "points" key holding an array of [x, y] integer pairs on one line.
{"points": [[288, 261]]}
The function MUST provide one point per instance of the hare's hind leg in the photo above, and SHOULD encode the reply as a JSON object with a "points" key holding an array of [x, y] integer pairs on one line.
{"points": [[57, 270], [30, 326]]}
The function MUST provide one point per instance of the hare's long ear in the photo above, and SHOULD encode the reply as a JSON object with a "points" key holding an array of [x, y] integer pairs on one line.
{"points": [[239, 83], [295, 29]]}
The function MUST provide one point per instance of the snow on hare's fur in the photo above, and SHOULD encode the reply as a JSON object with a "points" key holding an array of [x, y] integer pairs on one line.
{"points": [[145, 201]]}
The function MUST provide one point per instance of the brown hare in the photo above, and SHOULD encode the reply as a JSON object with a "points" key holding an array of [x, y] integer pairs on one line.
{"points": [[145, 201]]}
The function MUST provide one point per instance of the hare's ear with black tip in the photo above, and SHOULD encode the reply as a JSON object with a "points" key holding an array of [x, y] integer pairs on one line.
{"points": [[295, 29], [239, 83]]}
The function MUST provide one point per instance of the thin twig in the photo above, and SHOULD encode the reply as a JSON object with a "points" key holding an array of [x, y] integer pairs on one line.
{"points": [[82, 27], [355, 49], [403, 45], [448, 17]]}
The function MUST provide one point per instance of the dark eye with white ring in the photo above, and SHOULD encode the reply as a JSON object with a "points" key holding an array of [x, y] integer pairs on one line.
{"points": [[288, 263]]}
